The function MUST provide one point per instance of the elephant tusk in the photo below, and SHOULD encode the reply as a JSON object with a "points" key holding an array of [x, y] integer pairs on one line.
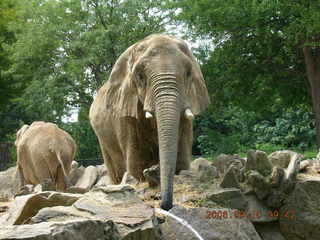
{"points": [[149, 115], [188, 113]]}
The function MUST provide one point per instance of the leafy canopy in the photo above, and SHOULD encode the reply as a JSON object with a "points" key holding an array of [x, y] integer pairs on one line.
{"points": [[257, 60], [65, 49]]}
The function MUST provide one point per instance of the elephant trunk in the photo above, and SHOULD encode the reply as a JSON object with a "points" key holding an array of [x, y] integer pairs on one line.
{"points": [[168, 110]]}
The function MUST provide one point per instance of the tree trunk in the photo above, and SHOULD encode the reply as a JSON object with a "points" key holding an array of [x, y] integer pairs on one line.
{"points": [[312, 61]]}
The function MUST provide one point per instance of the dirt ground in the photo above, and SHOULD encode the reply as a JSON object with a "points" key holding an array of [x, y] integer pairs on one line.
{"points": [[188, 191]]}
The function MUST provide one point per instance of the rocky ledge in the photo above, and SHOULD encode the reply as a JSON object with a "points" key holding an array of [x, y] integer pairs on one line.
{"points": [[110, 212], [259, 197]]}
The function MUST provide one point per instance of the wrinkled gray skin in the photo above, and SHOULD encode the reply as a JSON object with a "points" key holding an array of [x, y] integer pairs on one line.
{"points": [[143, 113]]}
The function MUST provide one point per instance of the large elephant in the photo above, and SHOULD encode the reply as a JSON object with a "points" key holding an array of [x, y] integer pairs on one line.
{"points": [[143, 113], [44, 151]]}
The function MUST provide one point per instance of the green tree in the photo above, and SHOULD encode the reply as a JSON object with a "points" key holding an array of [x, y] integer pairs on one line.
{"points": [[7, 15], [266, 52], [10, 90], [289, 128], [65, 50]]}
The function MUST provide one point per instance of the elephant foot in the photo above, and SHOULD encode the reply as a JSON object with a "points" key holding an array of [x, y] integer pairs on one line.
{"points": [[166, 205]]}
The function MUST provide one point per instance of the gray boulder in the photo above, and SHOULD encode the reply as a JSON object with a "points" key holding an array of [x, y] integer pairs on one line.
{"points": [[198, 163], [260, 184], [9, 184], [102, 170], [310, 166], [152, 175], [258, 161], [26, 189], [239, 169], [263, 164], [103, 181], [230, 179], [111, 212], [211, 224], [128, 179], [300, 216], [205, 170], [89, 178], [257, 212], [223, 162], [25, 207], [75, 173], [81, 229], [207, 173], [119, 203], [228, 197], [305, 164], [251, 163], [269, 231], [4, 206], [282, 158]]}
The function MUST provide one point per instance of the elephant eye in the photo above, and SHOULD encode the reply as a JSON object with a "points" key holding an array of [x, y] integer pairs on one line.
{"points": [[189, 73], [140, 79], [140, 76]]}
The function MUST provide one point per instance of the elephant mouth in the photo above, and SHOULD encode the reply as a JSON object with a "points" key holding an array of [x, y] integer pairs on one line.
{"points": [[187, 112]]}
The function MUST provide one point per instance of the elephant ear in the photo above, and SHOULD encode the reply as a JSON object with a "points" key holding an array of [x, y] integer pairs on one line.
{"points": [[197, 91], [20, 133], [121, 92]]}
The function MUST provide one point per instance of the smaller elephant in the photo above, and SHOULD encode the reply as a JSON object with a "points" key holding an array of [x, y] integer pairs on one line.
{"points": [[44, 151]]}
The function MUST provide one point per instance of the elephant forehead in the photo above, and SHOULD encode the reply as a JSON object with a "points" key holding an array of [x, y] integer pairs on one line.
{"points": [[161, 41]]}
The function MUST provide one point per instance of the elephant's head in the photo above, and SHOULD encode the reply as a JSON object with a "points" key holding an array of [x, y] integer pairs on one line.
{"points": [[20, 133], [161, 75]]}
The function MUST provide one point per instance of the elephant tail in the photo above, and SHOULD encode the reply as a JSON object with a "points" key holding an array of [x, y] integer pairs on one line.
{"points": [[62, 180], [62, 162]]}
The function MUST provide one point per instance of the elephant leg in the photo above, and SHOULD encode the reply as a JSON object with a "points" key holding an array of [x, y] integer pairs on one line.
{"points": [[20, 176], [114, 165], [185, 146], [42, 170], [19, 170], [135, 149], [135, 162]]}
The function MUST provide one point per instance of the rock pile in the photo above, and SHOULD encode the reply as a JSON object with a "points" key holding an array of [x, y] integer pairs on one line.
{"points": [[264, 197], [111, 212], [272, 193]]}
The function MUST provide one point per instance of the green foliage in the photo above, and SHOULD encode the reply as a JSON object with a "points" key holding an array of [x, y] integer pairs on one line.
{"points": [[257, 62], [215, 143], [234, 130], [268, 147], [11, 112], [293, 127], [88, 151], [66, 49], [13, 152], [60, 53], [7, 15], [310, 153], [55, 54], [224, 131]]}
